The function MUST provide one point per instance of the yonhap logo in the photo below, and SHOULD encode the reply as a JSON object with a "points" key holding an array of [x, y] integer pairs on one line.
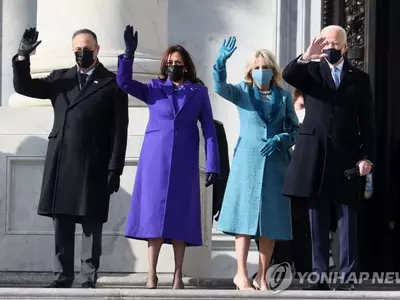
{"points": [[279, 277]]}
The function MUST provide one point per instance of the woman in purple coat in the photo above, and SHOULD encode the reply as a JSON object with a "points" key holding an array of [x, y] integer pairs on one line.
{"points": [[166, 204]]}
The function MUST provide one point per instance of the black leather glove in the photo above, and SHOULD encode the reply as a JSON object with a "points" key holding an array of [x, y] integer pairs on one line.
{"points": [[211, 178], [113, 182], [131, 42], [29, 42]]}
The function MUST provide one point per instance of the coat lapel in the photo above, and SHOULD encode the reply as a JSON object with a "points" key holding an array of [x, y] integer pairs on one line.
{"points": [[257, 97], [274, 105], [347, 73], [191, 90], [72, 86], [256, 92], [167, 88], [326, 74], [98, 79]]}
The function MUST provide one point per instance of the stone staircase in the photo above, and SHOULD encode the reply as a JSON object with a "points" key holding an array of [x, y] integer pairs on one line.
{"points": [[131, 286], [127, 294]]}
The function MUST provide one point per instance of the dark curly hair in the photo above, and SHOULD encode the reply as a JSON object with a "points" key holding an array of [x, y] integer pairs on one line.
{"points": [[190, 73]]}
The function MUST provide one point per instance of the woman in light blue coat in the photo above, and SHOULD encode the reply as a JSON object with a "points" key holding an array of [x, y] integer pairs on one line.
{"points": [[253, 204]]}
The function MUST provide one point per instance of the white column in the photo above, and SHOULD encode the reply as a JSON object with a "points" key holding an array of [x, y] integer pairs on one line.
{"points": [[303, 24], [17, 16], [308, 23], [58, 20]]}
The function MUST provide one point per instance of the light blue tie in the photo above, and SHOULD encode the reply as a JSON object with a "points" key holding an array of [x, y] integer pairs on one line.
{"points": [[336, 77]]}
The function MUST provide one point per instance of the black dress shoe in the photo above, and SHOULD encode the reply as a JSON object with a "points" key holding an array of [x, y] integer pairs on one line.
{"points": [[317, 287], [61, 284], [88, 285], [344, 287]]}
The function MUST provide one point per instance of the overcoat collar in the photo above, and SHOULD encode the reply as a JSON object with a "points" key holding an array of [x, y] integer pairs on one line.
{"points": [[326, 74], [98, 79], [276, 102], [276, 94], [168, 88]]}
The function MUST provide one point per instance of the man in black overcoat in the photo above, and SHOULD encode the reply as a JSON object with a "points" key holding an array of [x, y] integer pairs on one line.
{"points": [[86, 149], [337, 134]]}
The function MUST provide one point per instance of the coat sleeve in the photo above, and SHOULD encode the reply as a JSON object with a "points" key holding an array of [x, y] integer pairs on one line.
{"points": [[210, 135], [127, 84], [298, 74], [289, 136], [119, 132], [366, 121], [228, 91], [24, 84]]}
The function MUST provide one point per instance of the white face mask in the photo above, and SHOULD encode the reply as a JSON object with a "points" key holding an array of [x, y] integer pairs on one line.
{"points": [[301, 114]]}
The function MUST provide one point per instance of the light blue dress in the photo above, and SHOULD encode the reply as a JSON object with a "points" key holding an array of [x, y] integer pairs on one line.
{"points": [[253, 203]]}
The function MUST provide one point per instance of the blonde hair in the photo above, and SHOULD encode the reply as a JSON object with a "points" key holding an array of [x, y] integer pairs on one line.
{"points": [[270, 61]]}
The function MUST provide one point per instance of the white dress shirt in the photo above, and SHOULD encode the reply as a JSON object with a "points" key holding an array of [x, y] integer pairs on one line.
{"points": [[90, 72]]}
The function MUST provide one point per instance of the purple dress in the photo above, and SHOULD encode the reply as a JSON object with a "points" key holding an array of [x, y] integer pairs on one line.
{"points": [[166, 195]]}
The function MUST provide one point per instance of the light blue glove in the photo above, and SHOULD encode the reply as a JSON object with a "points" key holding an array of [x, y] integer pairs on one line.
{"points": [[270, 146], [225, 52]]}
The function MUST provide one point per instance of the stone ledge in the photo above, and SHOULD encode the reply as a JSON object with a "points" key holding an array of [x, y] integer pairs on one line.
{"points": [[105, 279], [127, 294], [138, 280]]}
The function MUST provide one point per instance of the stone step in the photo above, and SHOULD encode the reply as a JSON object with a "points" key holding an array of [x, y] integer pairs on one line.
{"points": [[138, 280], [168, 294]]}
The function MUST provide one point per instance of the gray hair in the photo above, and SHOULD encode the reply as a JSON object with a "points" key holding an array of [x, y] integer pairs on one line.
{"points": [[336, 28]]}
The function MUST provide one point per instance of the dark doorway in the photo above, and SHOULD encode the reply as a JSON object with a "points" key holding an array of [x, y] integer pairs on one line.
{"points": [[387, 106]]}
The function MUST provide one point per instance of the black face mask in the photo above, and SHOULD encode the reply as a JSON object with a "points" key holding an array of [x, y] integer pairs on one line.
{"points": [[175, 72], [84, 58], [334, 55]]}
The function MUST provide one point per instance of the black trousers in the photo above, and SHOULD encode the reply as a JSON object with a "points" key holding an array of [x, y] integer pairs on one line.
{"points": [[64, 227]]}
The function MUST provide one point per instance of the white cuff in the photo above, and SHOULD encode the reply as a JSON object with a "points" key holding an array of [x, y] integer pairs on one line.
{"points": [[300, 61]]}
